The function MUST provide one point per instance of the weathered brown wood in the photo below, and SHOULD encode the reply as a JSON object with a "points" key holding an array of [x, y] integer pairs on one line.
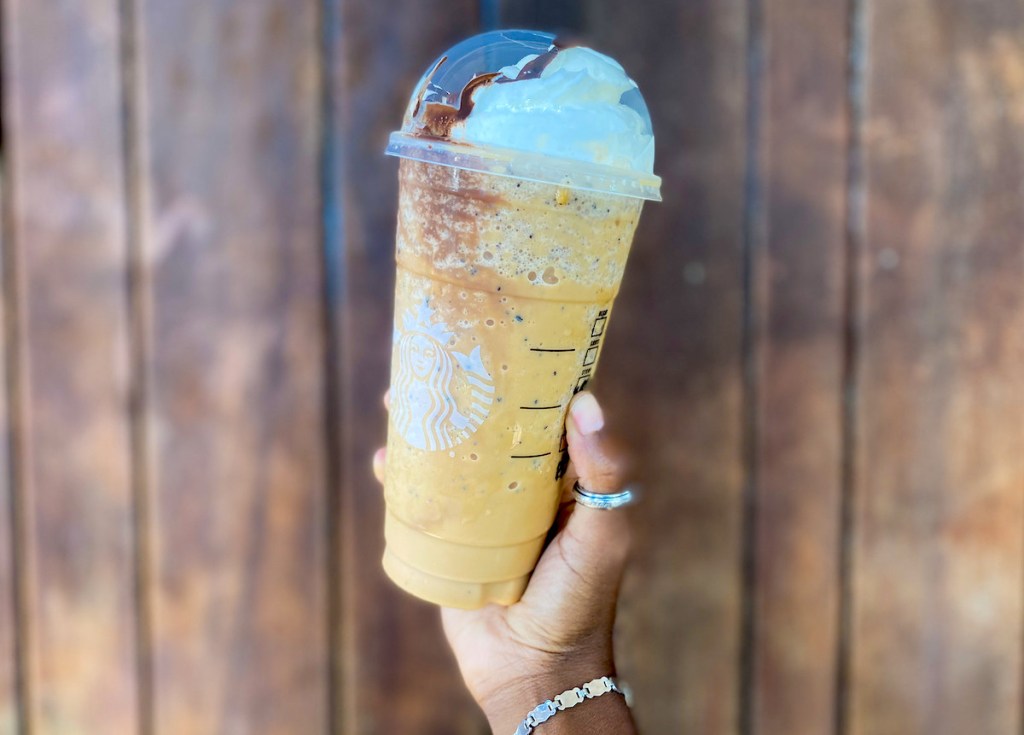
{"points": [[398, 675], [8, 652], [231, 105], [8, 628], [938, 524], [671, 371], [230, 99], [799, 255], [62, 113]]}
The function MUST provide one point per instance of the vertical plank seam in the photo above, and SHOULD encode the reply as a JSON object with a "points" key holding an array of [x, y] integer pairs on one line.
{"points": [[489, 15], [137, 300], [21, 571], [853, 331], [17, 385], [753, 245], [338, 685], [1020, 670], [9, 531]]}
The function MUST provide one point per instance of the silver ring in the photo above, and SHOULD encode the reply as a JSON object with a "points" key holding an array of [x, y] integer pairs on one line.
{"points": [[602, 501]]}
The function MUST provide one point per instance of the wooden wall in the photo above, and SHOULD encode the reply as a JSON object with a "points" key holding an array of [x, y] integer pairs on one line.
{"points": [[817, 362]]}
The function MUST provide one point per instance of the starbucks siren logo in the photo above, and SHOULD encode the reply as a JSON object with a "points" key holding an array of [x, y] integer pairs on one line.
{"points": [[439, 397]]}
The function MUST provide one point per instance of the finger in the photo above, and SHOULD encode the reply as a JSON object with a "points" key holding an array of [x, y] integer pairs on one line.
{"points": [[598, 540], [597, 466], [387, 400], [379, 462]]}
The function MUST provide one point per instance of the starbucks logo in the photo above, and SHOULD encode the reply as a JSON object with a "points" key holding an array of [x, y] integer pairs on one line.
{"points": [[439, 397]]}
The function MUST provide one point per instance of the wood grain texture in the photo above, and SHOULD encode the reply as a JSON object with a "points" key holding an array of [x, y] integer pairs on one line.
{"points": [[938, 548], [671, 371], [231, 102], [256, 572], [398, 674], [798, 258], [9, 717], [62, 110]]}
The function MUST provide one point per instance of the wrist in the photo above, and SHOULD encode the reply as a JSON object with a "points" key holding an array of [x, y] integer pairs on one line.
{"points": [[507, 705]]}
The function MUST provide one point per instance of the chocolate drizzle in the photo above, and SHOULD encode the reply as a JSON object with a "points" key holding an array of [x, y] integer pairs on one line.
{"points": [[466, 98], [426, 85], [438, 118]]}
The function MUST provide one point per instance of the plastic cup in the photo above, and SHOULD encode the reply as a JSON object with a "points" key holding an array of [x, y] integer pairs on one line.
{"points": [[508, 264]]}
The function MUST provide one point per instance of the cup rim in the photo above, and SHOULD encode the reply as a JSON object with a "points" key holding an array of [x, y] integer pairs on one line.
{"points": [[526, 166]]}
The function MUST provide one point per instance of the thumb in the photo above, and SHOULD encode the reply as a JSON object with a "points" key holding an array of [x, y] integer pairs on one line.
{"points": [[601, 537], [599, 470]]}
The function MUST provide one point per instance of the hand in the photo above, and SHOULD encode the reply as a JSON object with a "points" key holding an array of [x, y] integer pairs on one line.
{"points": [[559, 635]]}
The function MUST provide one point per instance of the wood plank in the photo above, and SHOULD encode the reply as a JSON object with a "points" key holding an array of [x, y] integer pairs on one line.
{"points": [[799, 258], [671, 372], [939, 515], [62, 110], [9, 717], [389, 640], [567, 17], [231, 94]]}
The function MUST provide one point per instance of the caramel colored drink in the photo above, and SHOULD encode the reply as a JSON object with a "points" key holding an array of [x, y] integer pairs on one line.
{"points": [[502, 300], [504, 290]]}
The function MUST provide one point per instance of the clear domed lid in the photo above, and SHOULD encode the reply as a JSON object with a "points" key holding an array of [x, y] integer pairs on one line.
{"points": [[574, 151]]}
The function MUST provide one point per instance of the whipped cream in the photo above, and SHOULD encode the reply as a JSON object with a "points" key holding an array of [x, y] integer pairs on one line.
{"points": [[573, 109]]}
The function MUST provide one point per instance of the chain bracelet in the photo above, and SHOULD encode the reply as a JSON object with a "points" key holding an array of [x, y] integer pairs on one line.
{"points": [[569, 698]]}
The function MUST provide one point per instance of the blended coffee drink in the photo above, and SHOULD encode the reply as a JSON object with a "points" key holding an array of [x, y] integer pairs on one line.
{"points": [[525, 166]]}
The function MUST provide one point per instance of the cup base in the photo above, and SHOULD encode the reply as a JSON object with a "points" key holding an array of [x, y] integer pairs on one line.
{"points": [[450, 592]]}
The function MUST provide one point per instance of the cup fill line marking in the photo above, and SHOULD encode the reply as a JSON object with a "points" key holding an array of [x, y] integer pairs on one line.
{"points": [[529, 456], [540, 408], [546, 349]]}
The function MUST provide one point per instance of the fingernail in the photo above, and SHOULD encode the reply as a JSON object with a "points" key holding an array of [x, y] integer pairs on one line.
{"points": [[586, 414]]}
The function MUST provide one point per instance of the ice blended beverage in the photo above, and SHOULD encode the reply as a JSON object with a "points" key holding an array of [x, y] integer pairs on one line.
{"points": [[524, 169]]}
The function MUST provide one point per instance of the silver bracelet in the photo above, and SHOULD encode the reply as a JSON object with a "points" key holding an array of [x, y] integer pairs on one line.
{"points": [[569, 698]]}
